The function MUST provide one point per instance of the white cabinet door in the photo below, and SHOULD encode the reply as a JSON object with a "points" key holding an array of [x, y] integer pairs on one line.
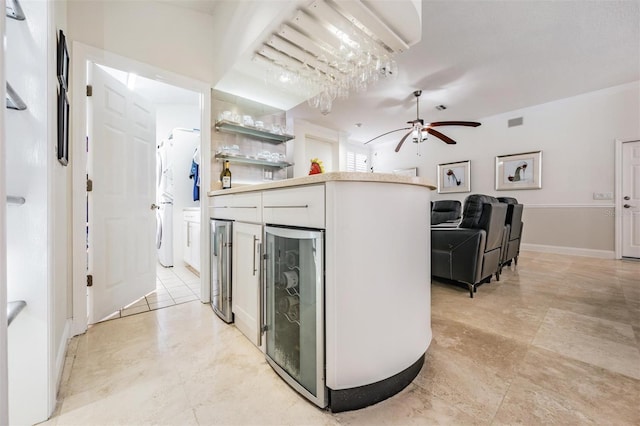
{"points": [[246, 287], [186, 240], [195, 245]]}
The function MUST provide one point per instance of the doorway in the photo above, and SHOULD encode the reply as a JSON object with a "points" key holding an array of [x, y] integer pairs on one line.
{"points": [[83, 59], [176, 145], [628, 199]]}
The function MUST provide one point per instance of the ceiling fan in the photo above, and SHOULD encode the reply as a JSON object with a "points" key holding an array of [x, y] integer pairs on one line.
{"points": [[418, 126]]}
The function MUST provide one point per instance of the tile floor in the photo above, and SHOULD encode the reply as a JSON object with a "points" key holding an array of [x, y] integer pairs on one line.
{"points": [[175, 285], [556, 341]]}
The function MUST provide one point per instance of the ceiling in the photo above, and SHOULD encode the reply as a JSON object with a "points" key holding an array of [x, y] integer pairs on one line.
{"points": [[478, 58]]}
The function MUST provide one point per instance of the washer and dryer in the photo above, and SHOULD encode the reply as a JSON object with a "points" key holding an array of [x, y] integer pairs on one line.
{"points": [[173, 159], [164, 214], [164, 235]]}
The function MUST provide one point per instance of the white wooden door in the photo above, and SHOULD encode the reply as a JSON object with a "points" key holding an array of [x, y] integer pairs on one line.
{"points": [[631, 199], [122, 221], [246, 287]]}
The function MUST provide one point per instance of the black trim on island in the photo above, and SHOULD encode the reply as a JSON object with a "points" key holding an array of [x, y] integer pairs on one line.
{"points": [[363, 396]]}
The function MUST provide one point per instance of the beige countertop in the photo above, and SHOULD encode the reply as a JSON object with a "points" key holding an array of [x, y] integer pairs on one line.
{"points": [[328, 177]]}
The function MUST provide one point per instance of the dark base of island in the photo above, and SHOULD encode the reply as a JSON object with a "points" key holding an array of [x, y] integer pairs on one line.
{"points": [[363, 396]]}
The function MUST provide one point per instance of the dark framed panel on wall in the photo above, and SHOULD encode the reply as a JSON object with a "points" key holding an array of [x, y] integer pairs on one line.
{"points": [[63, 61], [63, 103], [63, 128]]}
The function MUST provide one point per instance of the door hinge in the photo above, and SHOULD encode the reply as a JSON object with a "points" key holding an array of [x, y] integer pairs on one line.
{"points": [[89, 280], [89, 90], [264, 328], [89, 185]]}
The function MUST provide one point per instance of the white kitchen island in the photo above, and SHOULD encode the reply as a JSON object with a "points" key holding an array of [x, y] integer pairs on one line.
{"points": [[376, 313]]}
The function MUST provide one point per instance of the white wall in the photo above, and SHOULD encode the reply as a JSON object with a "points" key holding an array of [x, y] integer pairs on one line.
{"points": [[169, 37], [61, 230], [304, 147], [30, 57], [4, 388], [169, 117], [576, 136]]}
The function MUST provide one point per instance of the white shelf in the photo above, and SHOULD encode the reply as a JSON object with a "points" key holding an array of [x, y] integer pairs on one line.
{"points": [[255, 161], [231, 127]]}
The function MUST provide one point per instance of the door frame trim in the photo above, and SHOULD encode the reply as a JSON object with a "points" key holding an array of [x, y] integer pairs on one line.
{"points": [[82, 54], [618, 192]]}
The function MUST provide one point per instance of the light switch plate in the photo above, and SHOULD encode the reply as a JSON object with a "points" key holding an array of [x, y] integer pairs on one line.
{"points": [[603, 195]]}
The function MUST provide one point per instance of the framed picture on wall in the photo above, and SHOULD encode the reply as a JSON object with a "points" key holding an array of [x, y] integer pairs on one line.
{"points": [[63, 61], [519, 171], [63, 128], [454, 177]]}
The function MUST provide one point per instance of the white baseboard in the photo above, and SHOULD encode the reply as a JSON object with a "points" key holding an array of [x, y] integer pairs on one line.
{"points": [[573, 251], [61, 354]]}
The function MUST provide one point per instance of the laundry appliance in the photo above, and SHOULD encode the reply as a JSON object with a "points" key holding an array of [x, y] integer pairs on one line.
{"points": [[173, 162]]}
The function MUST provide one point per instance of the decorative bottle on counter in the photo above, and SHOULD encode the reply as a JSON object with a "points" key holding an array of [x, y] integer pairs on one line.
{"points": [[225, 176]]}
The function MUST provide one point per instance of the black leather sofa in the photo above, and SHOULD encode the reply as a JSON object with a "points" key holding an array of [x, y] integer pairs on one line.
{"points": [[446, 211], [513, 232], [470, 253]]}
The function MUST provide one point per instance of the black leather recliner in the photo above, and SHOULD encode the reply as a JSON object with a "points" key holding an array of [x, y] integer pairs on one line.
{"points": [[471, 252], [513, 235], [445, 211]]}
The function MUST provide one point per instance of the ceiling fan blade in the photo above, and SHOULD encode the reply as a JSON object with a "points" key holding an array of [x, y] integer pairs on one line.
{"points": [[404, 138], [384, 134], [454, 123], [437, 134]]}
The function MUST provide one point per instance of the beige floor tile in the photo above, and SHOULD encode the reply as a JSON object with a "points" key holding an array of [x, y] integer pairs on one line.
{"points": [[135, 310], [469, 368], [604, 343], [161, 304], [188, 298], [158, 297], [529, 404], [173, 283], [180, 292], [412, 406], [137, 303], [585, 386], [555, 341]]}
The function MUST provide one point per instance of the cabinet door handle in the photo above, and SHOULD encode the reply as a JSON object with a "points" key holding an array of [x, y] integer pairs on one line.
{"points": [[255, 239], [306, 206], [235, 207], [261, 298]]}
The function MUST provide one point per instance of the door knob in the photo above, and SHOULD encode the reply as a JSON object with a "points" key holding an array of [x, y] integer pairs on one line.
{"points": [[154, 206], [626, 206], [627, 198]]}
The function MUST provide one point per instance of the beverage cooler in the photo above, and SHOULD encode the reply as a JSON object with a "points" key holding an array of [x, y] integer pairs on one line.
{"points": [[221, 268], [294, 308]]}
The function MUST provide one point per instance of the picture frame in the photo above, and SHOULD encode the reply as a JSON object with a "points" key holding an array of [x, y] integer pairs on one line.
{"points": [[63, 128], [63, 61], [13, 10], [454, 177], [519, 171], [412, 172]]}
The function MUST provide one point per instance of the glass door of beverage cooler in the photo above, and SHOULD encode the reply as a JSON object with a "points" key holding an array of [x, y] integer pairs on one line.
{"points": [[294, 308], [221, 268]]}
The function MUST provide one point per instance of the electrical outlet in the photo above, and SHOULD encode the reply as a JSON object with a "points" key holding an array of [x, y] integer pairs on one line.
{"points": [[603, 195], [268, 174]]}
